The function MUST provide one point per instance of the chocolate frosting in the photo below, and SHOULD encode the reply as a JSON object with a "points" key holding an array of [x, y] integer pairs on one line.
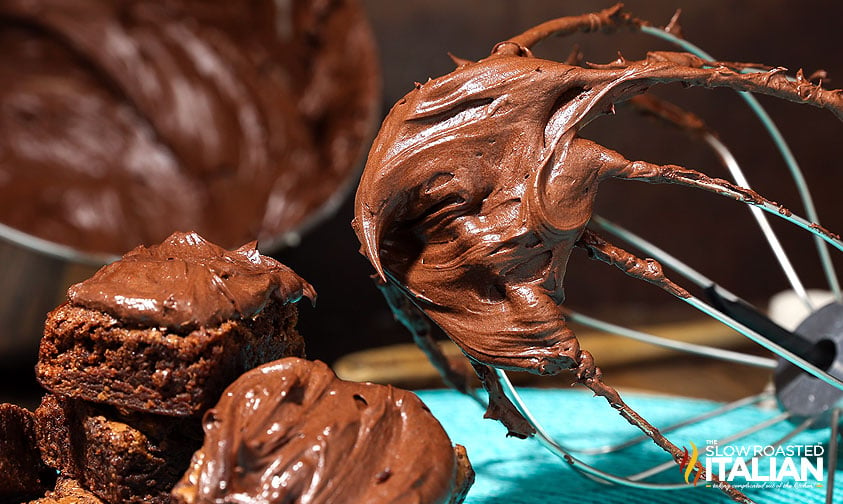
{"points": [[186, 282], [291, 431], [479, 186], [121, 122]]}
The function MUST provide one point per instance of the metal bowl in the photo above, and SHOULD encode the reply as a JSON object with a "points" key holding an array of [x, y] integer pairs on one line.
{"points": [[34, 277], [35, 272]]}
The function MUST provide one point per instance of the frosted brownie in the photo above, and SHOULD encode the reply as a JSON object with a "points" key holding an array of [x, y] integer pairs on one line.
{"points": [[166, 328]]}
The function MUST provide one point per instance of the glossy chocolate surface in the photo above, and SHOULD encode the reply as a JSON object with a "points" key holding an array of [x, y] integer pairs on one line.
{"points": [[186, 282], [291, 431], [479, 185]]}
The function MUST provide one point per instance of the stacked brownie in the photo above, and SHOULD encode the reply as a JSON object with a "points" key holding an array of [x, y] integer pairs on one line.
{"points": [[21, 470], [68, 491], [167, 328], [174, 375], [119, 456], [137, 354]]}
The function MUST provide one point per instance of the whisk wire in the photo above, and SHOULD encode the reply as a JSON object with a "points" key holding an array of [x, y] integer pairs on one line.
{"points": [[682, 346], [784, 150], [834, 439], [697, 419], [703, 281]]}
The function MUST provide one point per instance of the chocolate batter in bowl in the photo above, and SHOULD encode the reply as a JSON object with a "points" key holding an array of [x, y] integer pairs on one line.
{"points": [[121, 122]]}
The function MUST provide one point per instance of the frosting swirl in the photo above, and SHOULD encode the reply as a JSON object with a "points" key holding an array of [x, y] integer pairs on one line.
{"points": [[291, 431]]}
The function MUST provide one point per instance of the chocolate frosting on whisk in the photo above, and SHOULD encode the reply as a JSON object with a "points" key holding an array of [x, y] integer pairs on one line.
{"points": [[291, 431], [474, 196], [479, 186]]}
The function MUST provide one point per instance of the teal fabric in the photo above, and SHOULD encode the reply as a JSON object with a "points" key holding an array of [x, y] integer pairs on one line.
{"points": [[516, 471]]}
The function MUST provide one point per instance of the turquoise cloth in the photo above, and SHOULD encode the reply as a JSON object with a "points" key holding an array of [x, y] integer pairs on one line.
{"points": [[515, 471]]}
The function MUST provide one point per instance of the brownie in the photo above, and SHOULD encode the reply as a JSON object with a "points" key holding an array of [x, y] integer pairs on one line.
{"points": [[68, 491], [21, 471], [119, 456], [91, 355], [166, 328]]}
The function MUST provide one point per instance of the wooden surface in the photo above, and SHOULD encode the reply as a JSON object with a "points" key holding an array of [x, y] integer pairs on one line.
{"points": [[626, 364]]}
